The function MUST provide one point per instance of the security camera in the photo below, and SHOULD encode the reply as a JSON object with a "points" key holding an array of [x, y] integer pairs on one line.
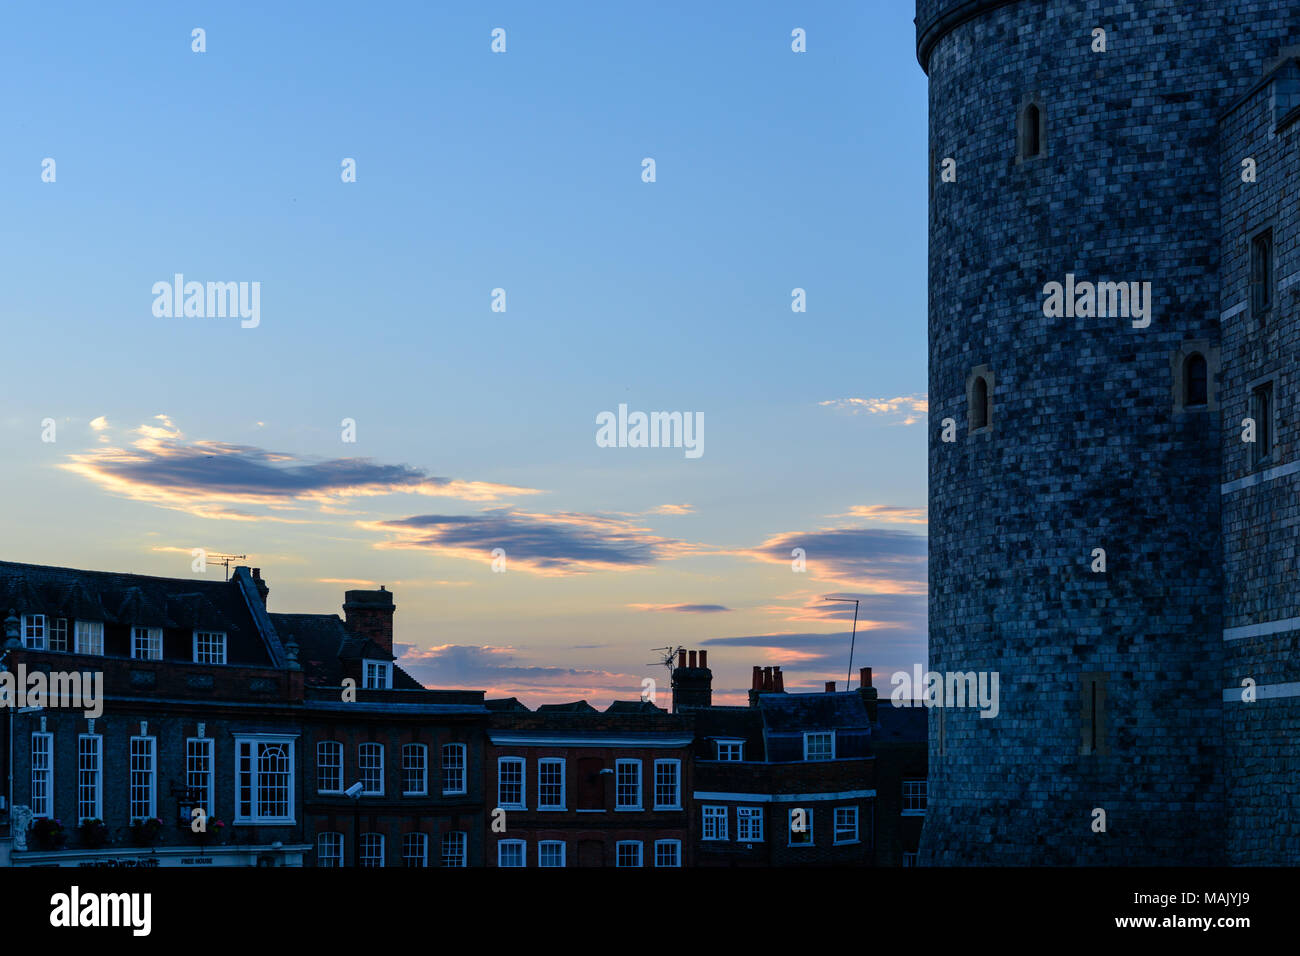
{"points": [[354, 790]]}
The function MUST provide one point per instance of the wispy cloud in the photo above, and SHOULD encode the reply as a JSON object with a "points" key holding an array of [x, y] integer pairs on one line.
{"points": [[872, 560], [887, 514], [683, 608], [548, 544], [210, 478], [910, 408], [501, 672]]}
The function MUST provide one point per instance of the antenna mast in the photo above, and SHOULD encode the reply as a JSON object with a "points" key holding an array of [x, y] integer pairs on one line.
{"points": [[225, 559]]}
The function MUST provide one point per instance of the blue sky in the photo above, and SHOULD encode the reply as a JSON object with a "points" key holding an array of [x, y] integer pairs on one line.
{"points": [[476, 429]]}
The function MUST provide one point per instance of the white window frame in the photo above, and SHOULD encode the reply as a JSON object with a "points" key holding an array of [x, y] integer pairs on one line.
{"points": [[818, 733], [43, 774], [147, 751], [329, 849], [640, 854], [748, 821], [196, 757], [255, 743], [57, 627], [89, 745], [36, 623], [376, 675], [550, 762], [92, 642], [209, 639], [460, 767], [836, 828], [618, 772], [677, 846], [363, 767], [458, 844], [421, 840], [790, 830], [522, 804], [726, 746], [677, 784], [915, 790], [151, 634], [501, 852], [369, 840], [333, 764], [423, 788], [713, 820], [542, 846]]}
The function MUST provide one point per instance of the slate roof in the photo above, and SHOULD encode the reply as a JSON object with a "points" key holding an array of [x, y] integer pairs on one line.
{"points": [[125, 600], [325, 645], [506, 705], [789, 713], [576, 707], [902, 724], [634, 707]]}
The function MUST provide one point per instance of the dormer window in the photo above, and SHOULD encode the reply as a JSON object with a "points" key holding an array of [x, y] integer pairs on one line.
{"points": [[731, 749], [90, 638], [819, 746], [378, 675], [209, 647], [146, 643], [34, 631]]}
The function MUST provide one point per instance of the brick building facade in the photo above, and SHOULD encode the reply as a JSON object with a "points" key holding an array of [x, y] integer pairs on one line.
{"points": [[265, 720], [802, 779], [573, 786]]}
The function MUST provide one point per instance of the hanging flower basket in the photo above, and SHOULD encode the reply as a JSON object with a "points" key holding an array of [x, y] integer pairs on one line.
{"points": [[48, 833], [145, 831], [94, 833]]}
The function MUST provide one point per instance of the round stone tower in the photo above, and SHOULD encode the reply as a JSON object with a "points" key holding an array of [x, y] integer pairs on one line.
{"points": [[1075, 505]]}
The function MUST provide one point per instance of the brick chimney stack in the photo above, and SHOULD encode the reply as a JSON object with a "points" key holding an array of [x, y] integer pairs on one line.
{"points": [[262, 589], [767, 680], [692, 681], [869, 694], [369, 614]]}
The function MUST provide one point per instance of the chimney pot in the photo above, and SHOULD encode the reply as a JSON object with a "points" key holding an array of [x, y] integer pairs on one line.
{"points": [[865, 675], [704, 658], [690, 657], [778, 681], [681, 657], [830, 687], [757, 683]]}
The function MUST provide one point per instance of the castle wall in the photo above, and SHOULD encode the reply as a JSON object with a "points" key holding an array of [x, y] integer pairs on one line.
{"points": [[1261, 500], [1088, 447]]}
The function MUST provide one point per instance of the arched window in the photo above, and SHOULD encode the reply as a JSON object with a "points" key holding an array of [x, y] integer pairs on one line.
{"points": [[1032, 144], [979, 402], [1031, 129], [1195, 380]]}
